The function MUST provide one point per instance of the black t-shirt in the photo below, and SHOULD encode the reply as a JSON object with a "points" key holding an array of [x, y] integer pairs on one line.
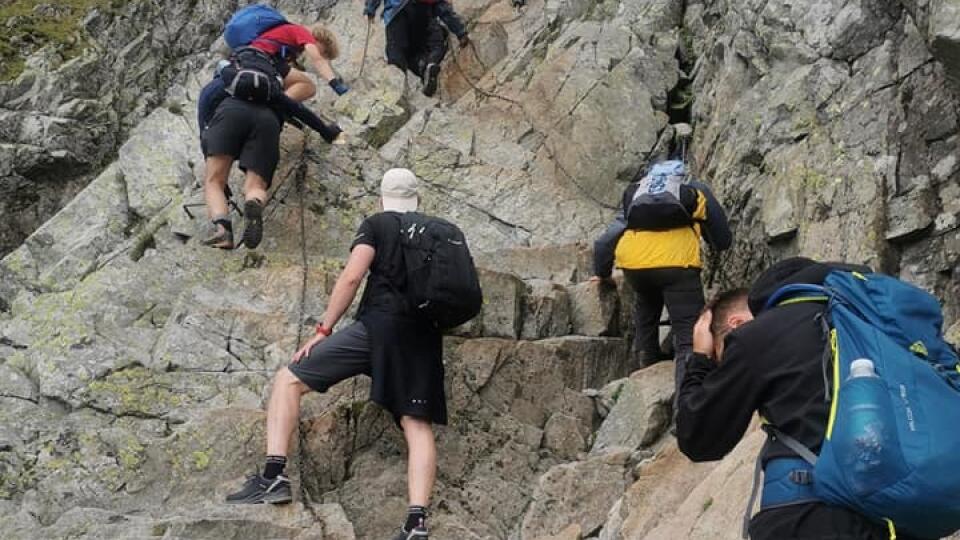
{"points": [[387, 272], [406, 351]]}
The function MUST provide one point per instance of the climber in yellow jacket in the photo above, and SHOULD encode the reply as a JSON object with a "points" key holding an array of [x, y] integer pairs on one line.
{"points": [[655, 240]]}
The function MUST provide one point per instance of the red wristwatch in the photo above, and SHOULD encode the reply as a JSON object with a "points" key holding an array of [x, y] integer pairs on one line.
{"points": [[321, 329]]}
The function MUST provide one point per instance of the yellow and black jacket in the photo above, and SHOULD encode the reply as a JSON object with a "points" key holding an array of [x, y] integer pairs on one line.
{"points": [[674, 248]]}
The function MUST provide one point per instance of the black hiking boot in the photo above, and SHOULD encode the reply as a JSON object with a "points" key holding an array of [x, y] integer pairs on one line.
{"points": [[418, 533], [253, 224], [431, 78], [222, 235], [259, 490]]}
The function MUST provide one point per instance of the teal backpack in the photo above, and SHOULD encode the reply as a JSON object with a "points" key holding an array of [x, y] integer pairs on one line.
{"points": [[904, 470]]}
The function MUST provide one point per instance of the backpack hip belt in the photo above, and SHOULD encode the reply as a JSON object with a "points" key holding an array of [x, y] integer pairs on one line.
{"points": [[786, 482]]}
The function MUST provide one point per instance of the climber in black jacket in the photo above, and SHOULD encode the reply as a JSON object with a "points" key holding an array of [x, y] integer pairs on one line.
{"points": [[771, 364]]}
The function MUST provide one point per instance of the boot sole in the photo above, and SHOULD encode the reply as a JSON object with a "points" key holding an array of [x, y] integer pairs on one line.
{"points": [[253, 225], [433, 80], [269, 498]]}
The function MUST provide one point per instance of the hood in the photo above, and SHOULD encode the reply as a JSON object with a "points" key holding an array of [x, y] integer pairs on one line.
{"points": [[792, 270]]}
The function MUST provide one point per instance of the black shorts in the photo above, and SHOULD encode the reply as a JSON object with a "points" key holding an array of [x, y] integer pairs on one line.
{"points": [[415, 38], [344, 354], [247, 132], [816, 521]]}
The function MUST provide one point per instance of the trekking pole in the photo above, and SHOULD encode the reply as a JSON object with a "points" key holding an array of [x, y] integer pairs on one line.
{"points": [[683, 132], [366, 43]]}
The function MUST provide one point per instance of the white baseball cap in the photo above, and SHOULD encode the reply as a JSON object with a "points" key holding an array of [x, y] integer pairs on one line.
{"points": [[398, 190]]}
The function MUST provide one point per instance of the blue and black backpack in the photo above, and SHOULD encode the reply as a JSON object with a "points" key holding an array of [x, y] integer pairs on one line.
{"points": [[916, 487], [252, 74], [249, 22]]}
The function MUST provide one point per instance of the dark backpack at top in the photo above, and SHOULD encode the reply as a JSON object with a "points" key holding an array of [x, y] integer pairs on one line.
{"points": [[249, 22], [442, 282], [252, 75], [662, 199]]}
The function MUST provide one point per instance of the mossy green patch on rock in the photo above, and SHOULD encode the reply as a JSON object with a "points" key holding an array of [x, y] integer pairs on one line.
{"points": [[201, 460], [57, 320], [131, 456], [28, 25], [135, 391]]}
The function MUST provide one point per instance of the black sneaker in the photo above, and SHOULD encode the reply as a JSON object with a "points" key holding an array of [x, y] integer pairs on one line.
{"points": [[253, 223], [259, 490], [418, 533], [431, 78]]}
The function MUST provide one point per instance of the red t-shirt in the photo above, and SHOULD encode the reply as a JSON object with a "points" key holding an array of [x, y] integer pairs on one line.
{"points": [[294, 36]]}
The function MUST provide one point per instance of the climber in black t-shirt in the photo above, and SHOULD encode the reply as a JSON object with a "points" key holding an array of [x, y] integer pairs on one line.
{"points": [[401, 352]]}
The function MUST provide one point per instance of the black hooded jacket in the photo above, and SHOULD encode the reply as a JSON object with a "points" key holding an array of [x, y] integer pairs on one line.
{"points": [[772, 364]]}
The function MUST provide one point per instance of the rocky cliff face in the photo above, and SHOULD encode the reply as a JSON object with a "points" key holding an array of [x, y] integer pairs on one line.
{"points": [[135, 363]]}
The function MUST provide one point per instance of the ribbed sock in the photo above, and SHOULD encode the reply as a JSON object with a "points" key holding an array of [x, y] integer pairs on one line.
{"points": [[416, 517], [274, 466]]}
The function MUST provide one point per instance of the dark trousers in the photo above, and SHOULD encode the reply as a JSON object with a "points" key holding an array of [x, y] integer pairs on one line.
{"points": [[415, 38], [680, 289], [816, 522]]}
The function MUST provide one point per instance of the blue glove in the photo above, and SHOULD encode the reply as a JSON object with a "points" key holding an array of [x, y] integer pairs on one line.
{"points": [[339, 86]]}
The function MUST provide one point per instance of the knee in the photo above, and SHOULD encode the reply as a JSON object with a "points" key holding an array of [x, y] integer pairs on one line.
{"points": [[286, 381], [216, 173], [416, 426], [307, 89], [299, 86]]}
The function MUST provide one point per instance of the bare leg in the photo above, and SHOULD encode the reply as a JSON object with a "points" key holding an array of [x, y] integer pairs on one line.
{"points": [[214, 182], [422, 459], [283, 412], [255, 187], [298, 86]]}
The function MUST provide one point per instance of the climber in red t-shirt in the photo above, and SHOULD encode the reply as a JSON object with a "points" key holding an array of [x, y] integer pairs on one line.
{"points": [[287, 42]]}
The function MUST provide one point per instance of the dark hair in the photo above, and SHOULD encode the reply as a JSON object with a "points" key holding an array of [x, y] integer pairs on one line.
{"points": [[722, 305]]}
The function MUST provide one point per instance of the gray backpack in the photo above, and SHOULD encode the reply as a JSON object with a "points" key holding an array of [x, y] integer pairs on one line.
{"points": [[663, 199]]}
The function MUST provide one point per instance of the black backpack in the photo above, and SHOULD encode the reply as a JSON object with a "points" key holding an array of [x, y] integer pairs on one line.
{"points": [[252, 76], [441, 279], [661, 200]]}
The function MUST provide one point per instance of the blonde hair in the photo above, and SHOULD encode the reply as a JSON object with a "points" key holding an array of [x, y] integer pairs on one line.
{"points": [[326, 40]]}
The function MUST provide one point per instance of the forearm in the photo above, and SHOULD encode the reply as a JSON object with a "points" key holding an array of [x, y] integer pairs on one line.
{"points": [[343, 294], [324, 69], [717, 228], [691, 438], [605, 247], [451, 19], [714, 408]]}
